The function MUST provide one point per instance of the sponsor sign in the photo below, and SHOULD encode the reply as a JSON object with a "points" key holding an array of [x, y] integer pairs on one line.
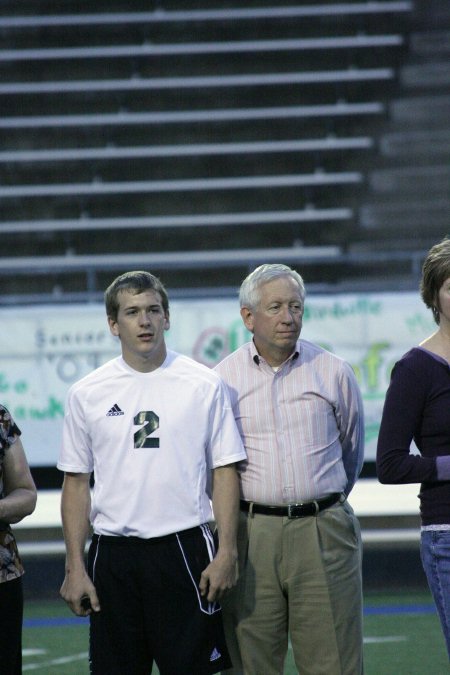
{"points": [[44, 349]]}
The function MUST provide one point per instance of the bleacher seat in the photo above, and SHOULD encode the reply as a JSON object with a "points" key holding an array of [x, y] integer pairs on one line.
{"points": [[195, 128]]}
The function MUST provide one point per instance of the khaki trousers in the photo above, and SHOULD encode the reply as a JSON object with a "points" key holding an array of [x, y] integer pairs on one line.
{"points": [[299, 578]]}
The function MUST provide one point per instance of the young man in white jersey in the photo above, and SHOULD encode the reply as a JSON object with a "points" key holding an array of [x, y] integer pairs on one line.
{"points": [[157, 432]]}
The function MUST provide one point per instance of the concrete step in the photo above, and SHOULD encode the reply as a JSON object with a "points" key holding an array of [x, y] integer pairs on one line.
{"points": [[418, 179], [426, 215], [429, 143]]}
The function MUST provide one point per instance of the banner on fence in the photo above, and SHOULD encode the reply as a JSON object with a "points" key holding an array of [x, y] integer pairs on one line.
{"points": [[44, 349]]}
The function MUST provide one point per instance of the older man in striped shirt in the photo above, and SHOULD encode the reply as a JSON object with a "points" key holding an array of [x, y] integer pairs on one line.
{"points": [[300, 415]]}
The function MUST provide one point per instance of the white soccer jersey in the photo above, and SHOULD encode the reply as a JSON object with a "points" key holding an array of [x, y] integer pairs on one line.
{"points": [[151, 440]]}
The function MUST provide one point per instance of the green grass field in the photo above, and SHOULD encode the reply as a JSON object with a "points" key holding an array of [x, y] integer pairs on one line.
{"points": [[402, 637]]}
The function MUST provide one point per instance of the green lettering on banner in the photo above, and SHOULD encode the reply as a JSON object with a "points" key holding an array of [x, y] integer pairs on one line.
{"points": [[19, 412], [20, 386], [53, 410], [339, 310], [238, 335], [4, 386], [371, 431], [372, 365], [420, 324]]}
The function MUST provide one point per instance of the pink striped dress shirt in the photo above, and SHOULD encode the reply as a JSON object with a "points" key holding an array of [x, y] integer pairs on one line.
{"points": [[302, 426]]}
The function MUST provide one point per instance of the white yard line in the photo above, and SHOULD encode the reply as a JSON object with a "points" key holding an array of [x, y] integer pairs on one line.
{"points": [[388, 638], [56, 662]]}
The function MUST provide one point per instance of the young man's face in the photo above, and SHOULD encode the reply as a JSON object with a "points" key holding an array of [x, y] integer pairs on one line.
{"points": [[277, 320], [140, 325]]}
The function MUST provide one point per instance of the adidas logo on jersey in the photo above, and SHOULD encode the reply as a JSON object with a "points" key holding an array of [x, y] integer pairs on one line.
{"points": [[215, 654], [115, 410]]}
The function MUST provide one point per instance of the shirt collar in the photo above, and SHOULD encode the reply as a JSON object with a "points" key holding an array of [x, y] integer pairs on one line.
{"points": [[256, 358]]}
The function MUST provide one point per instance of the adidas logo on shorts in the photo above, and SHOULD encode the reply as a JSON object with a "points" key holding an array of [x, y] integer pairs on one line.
{"points": [[215, 654], [115, 410]]}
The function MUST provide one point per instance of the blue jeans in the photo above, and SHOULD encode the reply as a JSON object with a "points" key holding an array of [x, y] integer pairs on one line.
{"points": [[435, 554]]}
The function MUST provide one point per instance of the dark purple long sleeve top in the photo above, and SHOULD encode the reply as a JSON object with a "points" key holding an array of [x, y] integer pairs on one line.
{"points": [[417, 407]]}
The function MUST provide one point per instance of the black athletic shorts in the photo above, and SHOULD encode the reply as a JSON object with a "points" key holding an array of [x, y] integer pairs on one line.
{"points": [[11, 615], [151, 607]]}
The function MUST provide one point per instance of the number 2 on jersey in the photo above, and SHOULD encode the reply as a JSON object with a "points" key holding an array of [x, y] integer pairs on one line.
{"points": [[150, 420]]}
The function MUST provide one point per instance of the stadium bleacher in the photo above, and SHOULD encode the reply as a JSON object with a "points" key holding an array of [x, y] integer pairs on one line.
{"points": [[188, 128]]}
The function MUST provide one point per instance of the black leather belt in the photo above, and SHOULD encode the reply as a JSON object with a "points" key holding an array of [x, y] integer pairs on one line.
{"points": [[299, 510]]}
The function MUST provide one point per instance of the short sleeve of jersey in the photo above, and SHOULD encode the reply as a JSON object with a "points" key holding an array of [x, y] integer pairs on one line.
{"points": [[75, 454]]}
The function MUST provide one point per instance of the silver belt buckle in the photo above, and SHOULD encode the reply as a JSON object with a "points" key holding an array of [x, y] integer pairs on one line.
{"points": [[291, 507]]}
